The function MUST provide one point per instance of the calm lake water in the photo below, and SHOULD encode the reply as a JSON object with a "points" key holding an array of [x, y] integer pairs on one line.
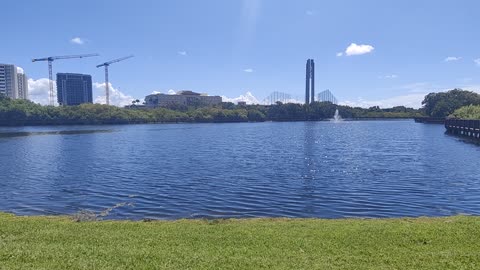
{"points": [[304, 169]]}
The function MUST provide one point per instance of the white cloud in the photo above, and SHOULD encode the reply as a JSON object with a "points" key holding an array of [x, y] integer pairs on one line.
{"points": [[391, 76], [477, 61], [117, 98], [38, 91], [410, 100], [248, 70], [474, 88], [355, 49], [310, 12], [183, 53], [169, 92], [415, 93], [339, 54], [452, 59], [77, 40], [249, 98], [20, 70]]}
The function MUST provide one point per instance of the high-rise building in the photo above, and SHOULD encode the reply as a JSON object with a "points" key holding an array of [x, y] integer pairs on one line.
{"points": [[22, 85], [74, 89], [310, 82], [8, 80], [13, 83]]}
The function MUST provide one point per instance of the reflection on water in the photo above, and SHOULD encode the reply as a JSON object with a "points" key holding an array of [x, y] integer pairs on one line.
{"points": [[304, 169], [61, 132]]}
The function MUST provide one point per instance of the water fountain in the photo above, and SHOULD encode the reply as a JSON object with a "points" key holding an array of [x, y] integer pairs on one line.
{"points": [[337, 117]]}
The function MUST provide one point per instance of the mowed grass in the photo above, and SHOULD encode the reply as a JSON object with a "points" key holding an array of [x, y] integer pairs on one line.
{"points": [[59, 243]]}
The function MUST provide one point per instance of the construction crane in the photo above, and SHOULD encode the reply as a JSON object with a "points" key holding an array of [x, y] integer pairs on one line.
{"points": [[50, 59], [106, 65]]}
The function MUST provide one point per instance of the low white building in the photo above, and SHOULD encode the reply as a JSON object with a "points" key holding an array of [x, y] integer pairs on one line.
{"points": [[185, 98]]}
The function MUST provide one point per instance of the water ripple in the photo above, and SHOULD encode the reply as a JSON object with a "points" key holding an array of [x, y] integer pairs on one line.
{"points": [[328, 170]]}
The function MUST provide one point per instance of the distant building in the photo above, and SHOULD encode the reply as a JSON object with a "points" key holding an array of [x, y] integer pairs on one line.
{"points": [[310, 82], [22, 86], [242, 103], [74, 89], [327, 96], [186, 98], [13, 83]]}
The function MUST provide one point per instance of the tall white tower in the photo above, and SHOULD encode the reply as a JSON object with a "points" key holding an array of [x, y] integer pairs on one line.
{"points": [[13, 84], [22, 84]]}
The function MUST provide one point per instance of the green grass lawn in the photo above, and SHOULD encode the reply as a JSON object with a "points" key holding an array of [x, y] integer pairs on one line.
{"points": [[59, 243]]}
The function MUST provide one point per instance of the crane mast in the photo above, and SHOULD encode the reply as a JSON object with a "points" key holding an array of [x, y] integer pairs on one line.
{"points": [[50, 60], [106, 65]]}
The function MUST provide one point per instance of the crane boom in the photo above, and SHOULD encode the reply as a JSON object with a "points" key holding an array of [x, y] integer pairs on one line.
{"points": [[115, 61], [106, 65], [50, 60]]}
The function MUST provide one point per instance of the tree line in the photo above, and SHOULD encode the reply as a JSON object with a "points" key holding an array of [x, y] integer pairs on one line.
{"points": [[444, 104], [24, 112], [455, 103]]}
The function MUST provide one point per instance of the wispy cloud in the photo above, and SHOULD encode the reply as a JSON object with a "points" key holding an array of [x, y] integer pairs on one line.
{"points": [[169, 92], [310, 12], [452, 59], [477, 61], [415, 94], [355, 49], [248, 70], [390, 76], [339, 54], [20, 70], [410, 100], [421, 87], [77, 40], [182, 53]]}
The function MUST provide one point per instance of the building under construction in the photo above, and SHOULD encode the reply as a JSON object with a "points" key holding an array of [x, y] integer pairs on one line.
{"points": [[327, 96], [275, 97], [74, 89]]}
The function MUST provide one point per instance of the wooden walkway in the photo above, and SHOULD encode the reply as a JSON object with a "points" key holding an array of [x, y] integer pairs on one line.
{"points": [[468, 128]]}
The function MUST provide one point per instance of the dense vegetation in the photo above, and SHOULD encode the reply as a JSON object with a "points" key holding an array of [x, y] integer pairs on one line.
{"points": [[22, 112], [60, 243], [444, 104], [467, 112]]}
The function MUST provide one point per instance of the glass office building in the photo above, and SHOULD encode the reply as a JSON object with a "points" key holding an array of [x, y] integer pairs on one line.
{"points": [[74, 89]]}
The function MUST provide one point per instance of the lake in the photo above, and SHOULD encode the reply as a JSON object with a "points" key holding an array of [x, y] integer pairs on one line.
{"points": [[301, 169]]}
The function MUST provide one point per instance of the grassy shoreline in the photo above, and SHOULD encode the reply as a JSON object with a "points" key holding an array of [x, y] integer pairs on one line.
{"points": [[420, 243]]}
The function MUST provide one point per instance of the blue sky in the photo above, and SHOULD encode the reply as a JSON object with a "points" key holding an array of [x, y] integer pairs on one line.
{"points": [[232, 47]]}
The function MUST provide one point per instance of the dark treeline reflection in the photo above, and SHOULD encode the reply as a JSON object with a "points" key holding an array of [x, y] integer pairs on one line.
{"points": [[60, 132]]}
